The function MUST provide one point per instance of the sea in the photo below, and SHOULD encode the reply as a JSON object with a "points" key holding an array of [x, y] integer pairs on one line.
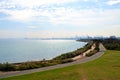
{"points": [[22, 50]]}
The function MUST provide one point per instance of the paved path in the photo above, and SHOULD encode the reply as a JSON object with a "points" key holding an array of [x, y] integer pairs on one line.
{"points": [[83, 60]]}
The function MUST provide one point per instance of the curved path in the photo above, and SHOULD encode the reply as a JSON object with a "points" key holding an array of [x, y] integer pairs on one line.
{"points": [[83, 60]]}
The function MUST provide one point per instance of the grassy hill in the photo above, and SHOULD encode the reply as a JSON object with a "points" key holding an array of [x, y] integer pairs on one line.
{"points": [[106, 67]]}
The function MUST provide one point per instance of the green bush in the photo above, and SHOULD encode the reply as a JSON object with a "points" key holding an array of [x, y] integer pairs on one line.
{"points": [[91, 53], [66, 60], [36, 64], [32, 65], [74, 53], [7, 67]]}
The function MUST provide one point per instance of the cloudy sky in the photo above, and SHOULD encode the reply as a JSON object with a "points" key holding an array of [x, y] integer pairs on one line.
{"points": [[59, 18]]}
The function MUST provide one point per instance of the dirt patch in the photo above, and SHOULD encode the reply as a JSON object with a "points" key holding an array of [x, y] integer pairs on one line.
{"points": [[1, 72]]}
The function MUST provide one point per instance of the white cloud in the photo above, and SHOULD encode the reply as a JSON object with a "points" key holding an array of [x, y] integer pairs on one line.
{"points": [[26, 10], [62, 15], [113, 2], [86, 17], [51, 11], [30, 10], [32, 27], [31, 3], [20, 15]]}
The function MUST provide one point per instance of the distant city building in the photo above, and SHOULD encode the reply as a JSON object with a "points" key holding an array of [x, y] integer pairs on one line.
{"points": [[112, 37]]}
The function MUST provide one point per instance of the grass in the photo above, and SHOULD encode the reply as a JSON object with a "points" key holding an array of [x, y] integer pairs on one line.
{"points": [[106, 67]]}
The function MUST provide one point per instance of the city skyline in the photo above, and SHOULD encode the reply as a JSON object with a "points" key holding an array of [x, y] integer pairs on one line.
{"points": [[55, 18]]}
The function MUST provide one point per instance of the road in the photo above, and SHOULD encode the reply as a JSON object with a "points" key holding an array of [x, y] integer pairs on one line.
{"points": [[83, 60]]}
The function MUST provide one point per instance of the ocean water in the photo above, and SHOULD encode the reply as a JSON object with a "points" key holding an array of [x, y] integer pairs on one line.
{"points": [[21, 50]]}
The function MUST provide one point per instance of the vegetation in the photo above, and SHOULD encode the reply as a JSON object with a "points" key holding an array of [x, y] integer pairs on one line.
{"points": [[6, 67], [96, 42], [91, 53], [74, 53], [111, 44], [39, 64], [106, 67], [31, 65]]}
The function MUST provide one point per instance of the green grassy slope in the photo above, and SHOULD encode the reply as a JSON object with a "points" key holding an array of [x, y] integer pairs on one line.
{"points": [[106, 67]]}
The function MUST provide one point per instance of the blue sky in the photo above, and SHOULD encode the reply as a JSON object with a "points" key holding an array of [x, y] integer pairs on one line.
{"points": [[59, 18]]}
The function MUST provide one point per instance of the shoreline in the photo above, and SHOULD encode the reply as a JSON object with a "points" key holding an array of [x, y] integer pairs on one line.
{"points": [[84, 60], [24, 52], [48, 59], [61, 59]]}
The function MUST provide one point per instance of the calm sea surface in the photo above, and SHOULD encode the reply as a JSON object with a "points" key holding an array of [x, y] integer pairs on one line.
{"points": [[20, 50]]}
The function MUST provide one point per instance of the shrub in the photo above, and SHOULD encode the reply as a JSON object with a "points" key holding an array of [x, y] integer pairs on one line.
{"points": [[7, 67], [30, 65], [66, 60], [91, 53], [74, 53]]}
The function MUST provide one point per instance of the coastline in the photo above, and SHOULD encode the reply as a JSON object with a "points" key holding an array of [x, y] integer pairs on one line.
{"points": [[84, 60], [34, 50], [41, 63]]}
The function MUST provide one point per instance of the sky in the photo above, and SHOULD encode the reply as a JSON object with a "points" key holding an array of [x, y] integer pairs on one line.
{"points": [[59, 18]]}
